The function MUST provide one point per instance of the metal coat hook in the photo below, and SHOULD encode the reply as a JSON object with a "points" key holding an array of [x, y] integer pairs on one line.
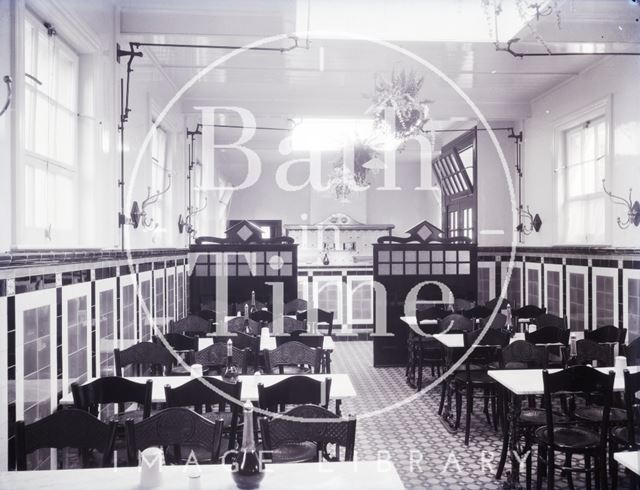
{"points": [[633, 208], [186, 223], [150, 201], [7, 79]]}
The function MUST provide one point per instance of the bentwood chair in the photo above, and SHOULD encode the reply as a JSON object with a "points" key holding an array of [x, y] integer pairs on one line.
{"points": [[294, 390], [499, 321], [491, 304], [474, 376], [70, 428], [293, 358], [521, 354], [296, 441], [455, 323], [207, 314], [554, 339], [525, 315], [317, 315], [550, 320], [244, 325], [632, 352], [178, 342], [290, 326], [262, 316], [203, 393], [627, 437], [145, 358], [294, 306], [191, 325], [590, 441], [608, 333], [597, 355], [214, 358], [114, 390], [174, 429], [478, 312]]}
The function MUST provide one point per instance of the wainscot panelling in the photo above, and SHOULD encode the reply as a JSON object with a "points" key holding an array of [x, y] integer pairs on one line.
{"points": [[592, 287], [61, 316]]}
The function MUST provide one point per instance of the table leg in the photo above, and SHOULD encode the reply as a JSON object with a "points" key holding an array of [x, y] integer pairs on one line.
{"points": [[338, 405], [447, 417], [327, 361], [513, 476]]}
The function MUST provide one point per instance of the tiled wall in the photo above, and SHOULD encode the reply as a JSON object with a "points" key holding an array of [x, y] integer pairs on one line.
{"points": [[60, 321], [592, 288]]}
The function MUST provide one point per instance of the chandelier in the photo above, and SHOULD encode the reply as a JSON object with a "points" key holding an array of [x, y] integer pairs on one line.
{"points": [[396, 107]]}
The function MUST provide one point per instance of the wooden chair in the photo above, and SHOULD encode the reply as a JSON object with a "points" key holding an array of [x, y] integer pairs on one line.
{"points": [[261, 316], [492, 303], [588, 441], [69, 428], [295, 357], [191, 325], [627, 437], [549, 336], [294, 390], [499, 322], [477, 312], [114, 390], [178, 342], [295, 441], [146, 359], [207, 314], [474, 377], [521, 354], [317, 315], [461, 304], [529, 311], [240, 324], [608, 333], [597, 355], [431, 313], [294, 306], [203, 393], [290, 326], [549, 320], [632, 352], [175, 428], [455, 323], [214, 358]]}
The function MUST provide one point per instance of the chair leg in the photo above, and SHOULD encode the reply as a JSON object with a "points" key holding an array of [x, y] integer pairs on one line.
{"points": [[551, 469], [443, 395], [494, 412], [467, 427], [458, 407], [542, 465], [613, 465], [503, 452], [419, 382], [528, 448], [569, 474]]}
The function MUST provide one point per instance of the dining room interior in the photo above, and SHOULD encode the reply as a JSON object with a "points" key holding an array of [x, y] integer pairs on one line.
{"points": [[320, 244]]}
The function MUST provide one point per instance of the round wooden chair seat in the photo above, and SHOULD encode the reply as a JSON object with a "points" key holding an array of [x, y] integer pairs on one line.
{"points": [[570, 438], [622, 434], [302, 452], [617, 416], [538, 417]]}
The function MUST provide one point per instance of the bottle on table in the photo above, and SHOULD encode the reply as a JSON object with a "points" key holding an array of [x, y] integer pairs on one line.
{"points": [[248, 469], [230, 372], [509, 322], [253, 302]]}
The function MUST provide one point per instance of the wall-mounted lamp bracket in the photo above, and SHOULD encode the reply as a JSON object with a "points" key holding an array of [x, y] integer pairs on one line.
{"points": [[8, 81], [528, 222]]}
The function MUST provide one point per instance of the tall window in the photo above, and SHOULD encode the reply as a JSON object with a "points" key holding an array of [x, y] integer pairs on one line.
{"points": [[581, 168], [51, 134]]}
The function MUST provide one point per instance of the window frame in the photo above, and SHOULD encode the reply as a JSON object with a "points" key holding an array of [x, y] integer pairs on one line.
{"points": [[35, 235], [600, 109]]}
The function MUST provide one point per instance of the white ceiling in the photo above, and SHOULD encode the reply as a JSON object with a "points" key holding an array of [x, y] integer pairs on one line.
{"points": [[277, 86]]}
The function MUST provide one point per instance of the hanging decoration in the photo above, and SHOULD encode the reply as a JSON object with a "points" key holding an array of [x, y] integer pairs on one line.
{"points": [[399, 94], [342, 180]]}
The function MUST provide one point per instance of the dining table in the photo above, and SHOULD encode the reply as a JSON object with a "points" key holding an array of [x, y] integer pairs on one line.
{"points": [[518, 384], [371, 475], [341, 386], [629, 459]]}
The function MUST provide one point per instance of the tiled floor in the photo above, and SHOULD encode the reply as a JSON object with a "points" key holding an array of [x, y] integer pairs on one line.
{"points": [[414, 428]]}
